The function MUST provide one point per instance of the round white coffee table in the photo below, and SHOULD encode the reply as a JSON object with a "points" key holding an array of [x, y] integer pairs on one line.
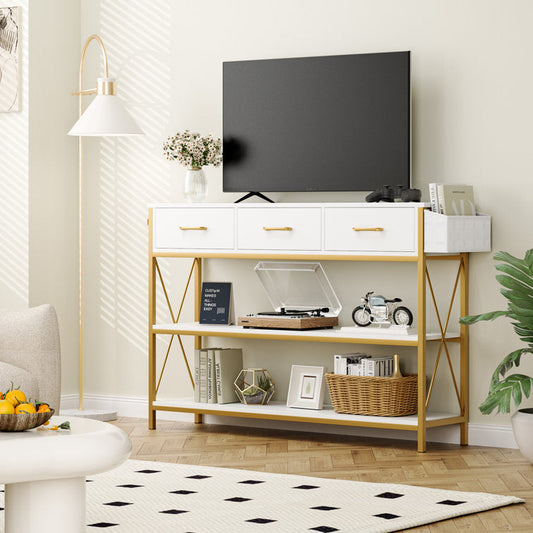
{"points": [[44, 472]]}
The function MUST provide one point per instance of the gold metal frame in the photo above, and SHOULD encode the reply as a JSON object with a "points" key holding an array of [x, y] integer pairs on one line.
{"points": [[81, 93], [424, 282]]}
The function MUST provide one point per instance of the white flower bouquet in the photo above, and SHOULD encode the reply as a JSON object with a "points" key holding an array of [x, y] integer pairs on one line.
{"points": [[193, 151]]}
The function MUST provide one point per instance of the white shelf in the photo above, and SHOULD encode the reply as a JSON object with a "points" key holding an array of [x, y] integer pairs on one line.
{"points": [[280, 411], [345, 334]]}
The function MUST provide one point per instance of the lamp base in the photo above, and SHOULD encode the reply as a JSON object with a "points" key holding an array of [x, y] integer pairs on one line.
{"points": [[95, 414]]}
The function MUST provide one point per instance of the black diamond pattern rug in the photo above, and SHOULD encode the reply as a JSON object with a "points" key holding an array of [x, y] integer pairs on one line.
{"points": [[142, 496]]}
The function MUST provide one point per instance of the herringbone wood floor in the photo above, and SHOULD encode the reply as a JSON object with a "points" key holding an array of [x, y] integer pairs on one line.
{"points": [[473, 468]]}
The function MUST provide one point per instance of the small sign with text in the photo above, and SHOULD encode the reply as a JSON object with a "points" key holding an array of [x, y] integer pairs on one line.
{"points": [[216, 304]]}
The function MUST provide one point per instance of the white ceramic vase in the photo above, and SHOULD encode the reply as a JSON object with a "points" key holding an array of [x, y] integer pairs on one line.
{"points": [[195, 185], [522, 422]]}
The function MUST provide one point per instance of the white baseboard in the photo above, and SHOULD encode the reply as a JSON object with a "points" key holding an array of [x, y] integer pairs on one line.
{"points": [[478, 434]]}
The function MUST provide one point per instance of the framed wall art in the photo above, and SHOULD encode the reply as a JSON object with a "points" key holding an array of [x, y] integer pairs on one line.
{"points": [[306, 387], [9, 58]]}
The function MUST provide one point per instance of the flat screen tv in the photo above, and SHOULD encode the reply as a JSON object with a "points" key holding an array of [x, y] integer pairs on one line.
{"points": [[331, 123]]}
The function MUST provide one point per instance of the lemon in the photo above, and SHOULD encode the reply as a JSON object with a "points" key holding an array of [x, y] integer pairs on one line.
{"points": [[15, 397], [25, 408], [6, 408]]}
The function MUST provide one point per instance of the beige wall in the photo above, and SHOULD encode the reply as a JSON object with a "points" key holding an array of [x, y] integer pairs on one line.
{"points": [[472, 113], [38, 235], [14, 134], [53, 176]]}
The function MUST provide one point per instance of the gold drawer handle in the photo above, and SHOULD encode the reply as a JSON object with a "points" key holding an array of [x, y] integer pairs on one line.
{"points": [[187, 228], [282, 228], [367, 229]]}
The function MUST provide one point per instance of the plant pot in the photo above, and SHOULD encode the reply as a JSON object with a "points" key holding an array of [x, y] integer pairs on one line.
{"points": [[522, 422]]}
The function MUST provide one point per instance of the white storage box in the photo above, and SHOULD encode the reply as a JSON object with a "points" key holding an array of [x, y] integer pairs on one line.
{"points": [[453, 234]]}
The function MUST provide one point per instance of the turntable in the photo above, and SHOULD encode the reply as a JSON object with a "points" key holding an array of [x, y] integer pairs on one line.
{"points": [[301, 296]]}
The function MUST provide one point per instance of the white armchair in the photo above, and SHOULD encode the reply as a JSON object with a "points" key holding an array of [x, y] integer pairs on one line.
{"points": [[30, 355]]}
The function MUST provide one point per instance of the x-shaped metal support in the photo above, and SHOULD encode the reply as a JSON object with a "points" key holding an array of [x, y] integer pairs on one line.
{"points": [[443, 330], [195, 264]]}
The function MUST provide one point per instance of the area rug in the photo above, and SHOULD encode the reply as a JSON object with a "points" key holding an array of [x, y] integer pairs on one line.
{"points": [[146, 496]]}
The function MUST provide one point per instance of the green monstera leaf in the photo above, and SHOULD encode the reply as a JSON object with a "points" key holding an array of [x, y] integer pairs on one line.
{"points": [[516, 279]]}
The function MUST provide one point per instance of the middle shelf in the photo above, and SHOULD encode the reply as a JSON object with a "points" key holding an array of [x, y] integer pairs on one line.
{"points": [[343, 334]]}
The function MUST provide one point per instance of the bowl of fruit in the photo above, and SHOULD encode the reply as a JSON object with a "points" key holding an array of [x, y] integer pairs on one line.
{"points": [[19, 414]]}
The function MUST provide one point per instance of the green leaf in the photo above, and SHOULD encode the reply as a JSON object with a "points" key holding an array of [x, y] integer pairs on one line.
{"points": [[513, 359], [490, 403], [491, 315], [528, 259], [522, 264], [520, 311], [521, 289], [522, 329], [513, 272], [513, 386], [517, 298], [526, 386]]}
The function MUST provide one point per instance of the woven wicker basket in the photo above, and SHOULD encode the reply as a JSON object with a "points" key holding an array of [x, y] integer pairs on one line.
{"points": [[362, 395]]}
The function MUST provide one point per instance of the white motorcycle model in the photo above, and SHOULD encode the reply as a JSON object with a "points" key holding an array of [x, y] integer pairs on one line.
{"points": [[378, 310]]}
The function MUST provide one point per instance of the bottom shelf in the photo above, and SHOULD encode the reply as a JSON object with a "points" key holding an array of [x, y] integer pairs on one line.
{"points": [[280, 411]]}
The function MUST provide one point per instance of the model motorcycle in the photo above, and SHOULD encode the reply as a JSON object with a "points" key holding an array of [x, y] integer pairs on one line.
{"points": [[379, 310]]}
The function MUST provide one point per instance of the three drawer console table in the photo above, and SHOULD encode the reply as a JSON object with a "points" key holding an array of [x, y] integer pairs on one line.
{"points": [[399, 232]]}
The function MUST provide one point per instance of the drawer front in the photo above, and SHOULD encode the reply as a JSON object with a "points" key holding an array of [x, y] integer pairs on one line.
{"points": [[196, 227], [370, 229], [279, 229]]}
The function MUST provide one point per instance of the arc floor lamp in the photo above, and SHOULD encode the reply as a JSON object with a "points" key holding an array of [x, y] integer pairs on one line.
{"points": [[105, 116]]}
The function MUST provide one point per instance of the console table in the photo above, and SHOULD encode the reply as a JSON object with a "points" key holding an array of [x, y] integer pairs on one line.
{"points": [[329, 231]]}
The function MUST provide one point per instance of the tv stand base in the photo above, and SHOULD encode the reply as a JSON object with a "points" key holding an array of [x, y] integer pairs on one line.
{"points": [[250, 194]]}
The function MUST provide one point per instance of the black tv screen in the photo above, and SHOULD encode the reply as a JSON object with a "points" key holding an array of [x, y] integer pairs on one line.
{"points": [[332, 123]]}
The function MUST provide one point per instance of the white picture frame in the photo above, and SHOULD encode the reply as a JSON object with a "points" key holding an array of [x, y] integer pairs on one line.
{"points": [[306, 387]]}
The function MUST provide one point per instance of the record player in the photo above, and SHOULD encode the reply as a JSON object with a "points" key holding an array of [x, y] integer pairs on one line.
{"points": [[301, 295]]}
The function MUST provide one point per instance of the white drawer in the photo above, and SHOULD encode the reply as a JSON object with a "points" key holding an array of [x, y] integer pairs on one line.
{"points": [[194, 227], [370, 229], [279, 228]]}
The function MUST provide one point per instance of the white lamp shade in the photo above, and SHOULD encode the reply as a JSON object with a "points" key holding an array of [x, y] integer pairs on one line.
{"points": [[105, 116]]}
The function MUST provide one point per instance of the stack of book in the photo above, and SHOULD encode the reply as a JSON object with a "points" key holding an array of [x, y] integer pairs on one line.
{"points": [[342, 362], [360, 364], [215, 370], [452, 200], [373, 366]]}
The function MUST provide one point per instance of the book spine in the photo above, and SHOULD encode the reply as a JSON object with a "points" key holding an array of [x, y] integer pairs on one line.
{"points": [[354, 369], [228, 364], [440, 198], [369, 367], [211, 378], [218, 380], [203, 376], [196, 375], [341, 364], [433, 198]]}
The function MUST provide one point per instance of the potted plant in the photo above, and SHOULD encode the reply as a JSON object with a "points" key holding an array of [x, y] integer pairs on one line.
{"points": [[516, 279], [254, 386]]}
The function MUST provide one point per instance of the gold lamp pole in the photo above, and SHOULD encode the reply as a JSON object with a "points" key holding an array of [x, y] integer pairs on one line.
{"points": [[105, 116]]}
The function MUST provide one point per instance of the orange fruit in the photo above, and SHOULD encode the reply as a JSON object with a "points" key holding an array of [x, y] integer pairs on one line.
{"points": [[15, 397], [6, 408], [43, 408], [25, 408]]}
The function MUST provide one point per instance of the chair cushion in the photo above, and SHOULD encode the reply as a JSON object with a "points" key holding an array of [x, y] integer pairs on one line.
{"points": [[14, 377]]}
